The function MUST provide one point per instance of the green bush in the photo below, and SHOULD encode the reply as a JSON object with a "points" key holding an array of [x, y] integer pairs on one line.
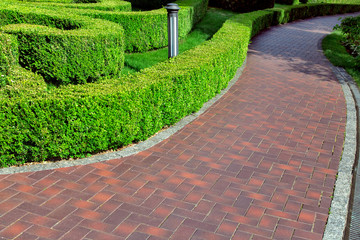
{"points": [[104, 5], [242, 5], [73, 120], [153, 4], [292, 13], [52, 1], [287, 2], [9, 55], [144, 30], [64, 48], [86, 1], [350, 27], [21, 82], [336, 1], [63, 1]]}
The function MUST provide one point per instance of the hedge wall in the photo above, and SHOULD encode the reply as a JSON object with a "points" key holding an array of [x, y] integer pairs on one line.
{"points": [[335, 1], [104, 5], [64, 1], [146, 4], [293, 13], [144, 30], [242, 5], [9, 54], [287, 2], [64, 48]]}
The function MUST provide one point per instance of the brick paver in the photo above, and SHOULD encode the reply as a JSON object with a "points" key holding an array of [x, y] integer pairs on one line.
{"points": [[259, 164]]}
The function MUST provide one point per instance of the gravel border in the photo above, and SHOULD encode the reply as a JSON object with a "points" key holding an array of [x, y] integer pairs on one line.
{"points": [[131, 150], [337, 220]]}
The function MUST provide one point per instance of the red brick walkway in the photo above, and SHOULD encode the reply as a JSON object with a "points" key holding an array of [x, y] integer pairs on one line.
{"points": [[259, 164]]}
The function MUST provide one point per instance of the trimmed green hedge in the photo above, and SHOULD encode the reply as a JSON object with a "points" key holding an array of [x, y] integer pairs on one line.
{"points": [[292, 13], [86, 1], [242, 5], [336, 1], [77, 119], [64, 48], [104, 5], [146, 4], [63, 1], [287, 2], [9, 54], [144, 30]]}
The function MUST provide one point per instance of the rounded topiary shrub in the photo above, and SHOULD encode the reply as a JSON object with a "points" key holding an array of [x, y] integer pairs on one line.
{"points": [[64, 48], [153, 4]]}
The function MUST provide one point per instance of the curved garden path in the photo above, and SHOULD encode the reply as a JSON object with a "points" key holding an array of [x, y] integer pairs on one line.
{"points": [[259, 164]]}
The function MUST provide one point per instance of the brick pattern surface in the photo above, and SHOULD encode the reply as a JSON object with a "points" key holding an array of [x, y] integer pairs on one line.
{"points": [[259, 164]]}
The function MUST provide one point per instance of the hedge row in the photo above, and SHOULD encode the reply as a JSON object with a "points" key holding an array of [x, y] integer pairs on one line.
{"points": [[144, 30], [242, 5], [294, 2], [287, 2], [77, 119], [146, 4], [336, 1], [64, 48], [64, 1], [9, 55], [104, 5], [293, 13]]}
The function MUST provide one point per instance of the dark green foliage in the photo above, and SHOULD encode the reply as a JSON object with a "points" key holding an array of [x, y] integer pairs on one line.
{"points": [[69, 48], [339, 56], [242, 5], [146, 4], [291, 13], [335, 1], [74, 120], [350, 27], [287, 2]]}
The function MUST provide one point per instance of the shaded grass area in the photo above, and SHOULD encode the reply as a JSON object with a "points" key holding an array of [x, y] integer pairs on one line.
{"points": [[203, 31], [338, 55]]}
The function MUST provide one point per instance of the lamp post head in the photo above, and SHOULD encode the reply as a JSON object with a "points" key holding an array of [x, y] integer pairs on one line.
{"points": [[172, 7]]}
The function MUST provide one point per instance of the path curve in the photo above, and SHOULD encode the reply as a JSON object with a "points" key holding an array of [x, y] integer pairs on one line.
{"points": [[259, 164]]}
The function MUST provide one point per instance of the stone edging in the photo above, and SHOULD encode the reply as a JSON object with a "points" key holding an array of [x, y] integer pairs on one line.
{"points": [[337, 220], [131, 150]]}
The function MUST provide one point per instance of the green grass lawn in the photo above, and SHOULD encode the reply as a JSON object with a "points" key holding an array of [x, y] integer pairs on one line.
{"points": [[338, 55], [203, 31]]}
